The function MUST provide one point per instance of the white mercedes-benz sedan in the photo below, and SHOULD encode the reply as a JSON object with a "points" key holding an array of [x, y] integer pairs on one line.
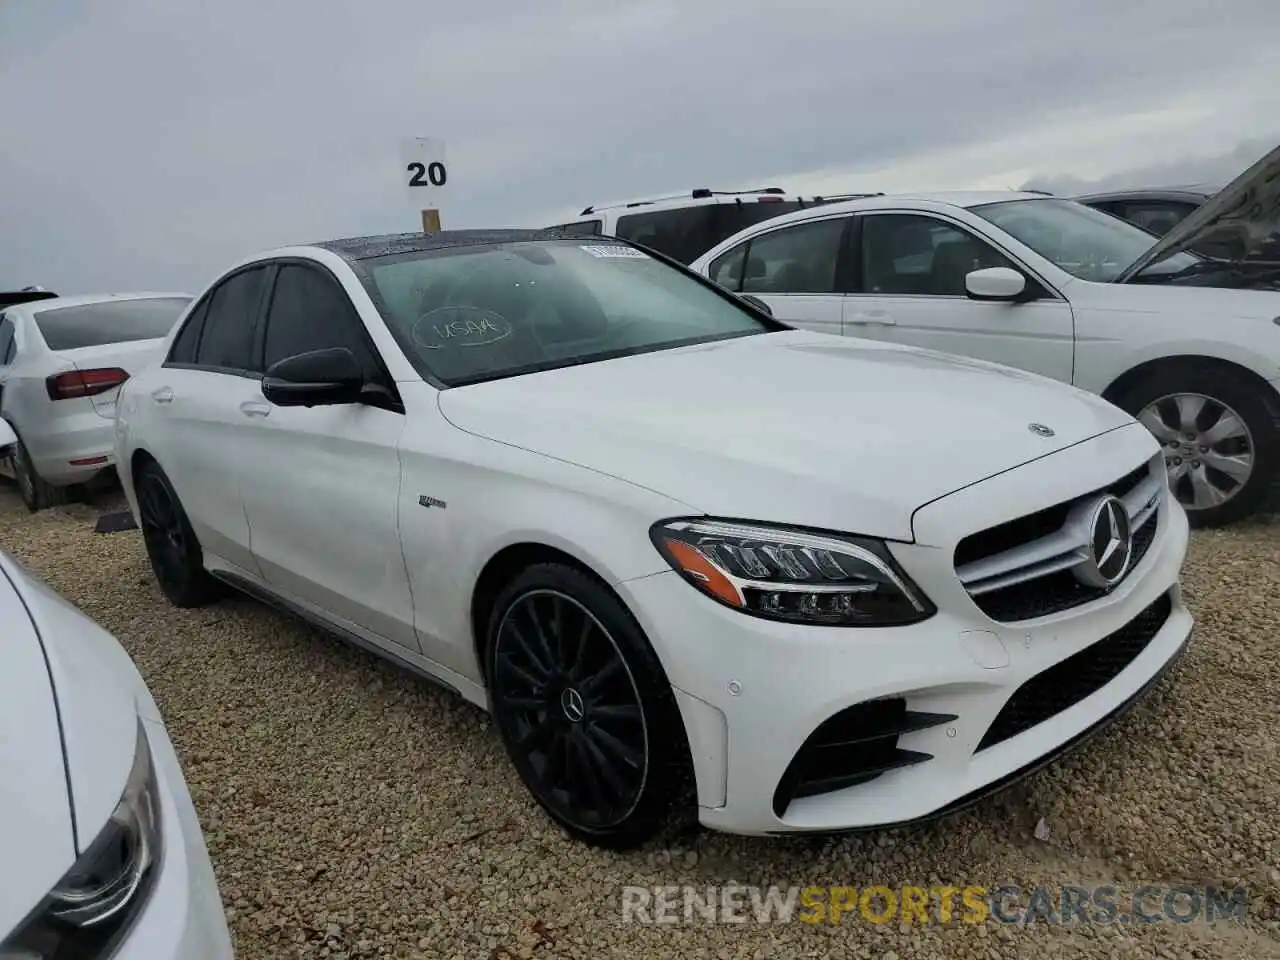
{"points": [[103, 855], [667, 541]]}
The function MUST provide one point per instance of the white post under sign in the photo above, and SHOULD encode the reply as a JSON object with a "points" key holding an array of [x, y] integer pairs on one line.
{"points": [[424, 172]]}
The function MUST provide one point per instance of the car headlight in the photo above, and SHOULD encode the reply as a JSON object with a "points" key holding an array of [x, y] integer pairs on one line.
{"points": [[792, 575], [93, 905]]}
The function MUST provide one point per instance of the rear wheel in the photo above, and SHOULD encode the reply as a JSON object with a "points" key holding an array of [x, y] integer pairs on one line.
{"points": [[35, 492], [1220, 440], [584, 708], [176, 558]]}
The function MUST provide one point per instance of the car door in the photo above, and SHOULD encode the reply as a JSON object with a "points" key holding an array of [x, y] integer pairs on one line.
{"points": [[909, 288], [798, 270], [196, 412], [322, 497]]}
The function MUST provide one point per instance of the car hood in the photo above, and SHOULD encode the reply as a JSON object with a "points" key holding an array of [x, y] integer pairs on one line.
{"points": [[1248, 209], [60, 686], [35, 812], [790, 427]]}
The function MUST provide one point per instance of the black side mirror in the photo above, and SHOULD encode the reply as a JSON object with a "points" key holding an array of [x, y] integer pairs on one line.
{"points": [[316, 378], [756, 302]]}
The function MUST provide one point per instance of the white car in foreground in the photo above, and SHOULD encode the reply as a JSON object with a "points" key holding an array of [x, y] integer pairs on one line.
{"points": [[103, 854], [62, 361], [657, 534], [1188, 345]]}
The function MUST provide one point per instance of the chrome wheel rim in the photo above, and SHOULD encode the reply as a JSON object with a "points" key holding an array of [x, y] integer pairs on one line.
{"points": [[570, 710], [1208, 450]]}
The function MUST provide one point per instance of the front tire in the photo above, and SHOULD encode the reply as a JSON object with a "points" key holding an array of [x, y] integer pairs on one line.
{"points": [[172, 547], [1220, 439], [584, 708]]}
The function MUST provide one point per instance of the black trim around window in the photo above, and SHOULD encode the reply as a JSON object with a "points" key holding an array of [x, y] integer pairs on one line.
{"points": [[260, 319], [204, 303], [383, 377], [848, 266]]}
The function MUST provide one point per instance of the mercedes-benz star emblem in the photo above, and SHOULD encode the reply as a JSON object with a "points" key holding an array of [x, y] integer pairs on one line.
{"points": [[1040, 430], [572, 705], [1110, 545]]}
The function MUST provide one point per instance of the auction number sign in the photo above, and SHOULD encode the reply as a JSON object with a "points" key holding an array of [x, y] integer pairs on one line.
{"points": [[424, 171]]}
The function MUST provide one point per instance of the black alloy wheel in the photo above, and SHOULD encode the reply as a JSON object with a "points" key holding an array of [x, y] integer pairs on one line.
{"points": [[583, 708], [175, 554]]}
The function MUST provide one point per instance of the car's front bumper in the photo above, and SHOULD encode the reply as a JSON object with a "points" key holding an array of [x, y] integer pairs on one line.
{"points": [[183, 917], [752, 691]]}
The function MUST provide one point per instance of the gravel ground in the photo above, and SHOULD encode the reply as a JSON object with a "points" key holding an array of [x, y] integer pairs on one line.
{"points": [[354, 811]]}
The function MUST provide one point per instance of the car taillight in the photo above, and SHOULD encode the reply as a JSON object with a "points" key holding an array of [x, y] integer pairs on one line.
{"points": [[84, 383]]}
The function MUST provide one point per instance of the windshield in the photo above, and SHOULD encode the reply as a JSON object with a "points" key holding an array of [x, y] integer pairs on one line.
{"points": [[112, 321], [1084, 242], [467, 314]]}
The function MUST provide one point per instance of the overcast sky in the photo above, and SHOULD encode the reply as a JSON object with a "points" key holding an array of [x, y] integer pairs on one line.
{"points": [[150, 143]]}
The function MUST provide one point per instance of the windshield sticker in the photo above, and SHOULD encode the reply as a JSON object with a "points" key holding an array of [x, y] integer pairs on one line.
{"points": [[459, 327], [613, 251]]}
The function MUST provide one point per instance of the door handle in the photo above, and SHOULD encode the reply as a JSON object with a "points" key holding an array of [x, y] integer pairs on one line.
{"points": [[876, 318], [255, 408], [162, 395]]}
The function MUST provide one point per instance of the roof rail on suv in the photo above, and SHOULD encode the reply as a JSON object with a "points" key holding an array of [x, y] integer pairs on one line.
{"points": [[698, 193]]}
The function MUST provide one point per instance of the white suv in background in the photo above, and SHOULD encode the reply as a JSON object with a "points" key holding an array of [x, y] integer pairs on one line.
{"points": [[62, 360], [1189, 345], [684, 225]]}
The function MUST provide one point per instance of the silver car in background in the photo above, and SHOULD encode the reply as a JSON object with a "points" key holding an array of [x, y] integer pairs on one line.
{"points": [[62, 361]]}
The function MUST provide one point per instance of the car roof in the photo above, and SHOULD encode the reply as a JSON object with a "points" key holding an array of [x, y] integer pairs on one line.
{"points": [[1201, 190], [39, 306], [391, 244], [953, 198]]}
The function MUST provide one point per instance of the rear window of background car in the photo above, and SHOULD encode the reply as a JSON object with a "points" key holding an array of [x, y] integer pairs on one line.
{"points": [[115, 321]]}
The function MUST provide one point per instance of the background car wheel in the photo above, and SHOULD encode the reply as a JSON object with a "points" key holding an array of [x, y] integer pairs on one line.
{"points": [[1220, 440], [584, 708], [35, 493], [172, 547]]}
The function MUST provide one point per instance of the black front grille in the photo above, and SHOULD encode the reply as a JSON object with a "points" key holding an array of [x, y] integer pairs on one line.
{"points": [[1057, 591], [853, 746], [1014, 533], [1080, 675]]}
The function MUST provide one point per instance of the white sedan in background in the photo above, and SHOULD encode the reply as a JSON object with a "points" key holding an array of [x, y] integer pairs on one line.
{"points": [[1187, 344], [62, 361], [661, 537], [103, 856]]}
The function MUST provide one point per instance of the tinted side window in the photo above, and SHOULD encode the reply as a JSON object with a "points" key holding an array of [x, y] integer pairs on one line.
{"points": [[1159, 217], [726, 269], [683, 234], [799, 259], [732, 218], [585, 228], [227, 340], [310, 311], [184, 344], [7, 346], [908, 255]]}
